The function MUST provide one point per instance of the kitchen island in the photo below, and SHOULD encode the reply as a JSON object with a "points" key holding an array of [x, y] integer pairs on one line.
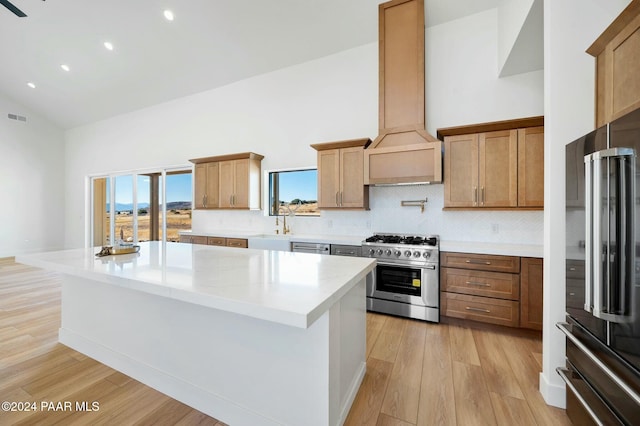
{"points": [[250, 337]]}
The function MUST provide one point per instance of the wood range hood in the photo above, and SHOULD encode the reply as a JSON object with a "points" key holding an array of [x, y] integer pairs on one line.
{"points": [[403, 153]]}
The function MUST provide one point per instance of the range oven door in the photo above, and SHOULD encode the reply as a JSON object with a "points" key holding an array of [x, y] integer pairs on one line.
{"points": [[405, 284]]}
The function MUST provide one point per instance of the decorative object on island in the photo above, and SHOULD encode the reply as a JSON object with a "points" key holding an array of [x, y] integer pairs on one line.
{"points": [[617, 64], [403, 152], [341, 175], [498, 165], [228, 181], [494, 289]]}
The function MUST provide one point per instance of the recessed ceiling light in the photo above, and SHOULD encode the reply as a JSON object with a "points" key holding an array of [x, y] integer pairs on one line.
{"points": [[108, 45], [32, 85], [168, 15], [65, 67]]}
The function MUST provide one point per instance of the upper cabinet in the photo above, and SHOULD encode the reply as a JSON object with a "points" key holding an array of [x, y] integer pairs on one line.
{"points": [[403, 152], [341, 175], [496, 165], [228, 181], [617, 63]]}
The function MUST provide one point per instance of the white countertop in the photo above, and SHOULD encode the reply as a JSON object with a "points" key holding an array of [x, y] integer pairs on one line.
{"points": [[327, 239], [522, 250], [289, 288]]}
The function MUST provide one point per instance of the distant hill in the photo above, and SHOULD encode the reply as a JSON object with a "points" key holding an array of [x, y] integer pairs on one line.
{"points": [[173, 205]]}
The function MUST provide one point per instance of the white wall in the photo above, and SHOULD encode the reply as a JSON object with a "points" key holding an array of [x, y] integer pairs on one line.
{"points": [[334, 98], [31, 182], [569, 113]]}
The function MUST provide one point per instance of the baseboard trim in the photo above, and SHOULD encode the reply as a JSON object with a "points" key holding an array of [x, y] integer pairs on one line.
{"points": [[553, 394]]}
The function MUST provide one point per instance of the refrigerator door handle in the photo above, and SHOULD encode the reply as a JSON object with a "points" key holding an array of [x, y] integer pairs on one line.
{"points": [[564, 327], [600, 299], [593, 236]]}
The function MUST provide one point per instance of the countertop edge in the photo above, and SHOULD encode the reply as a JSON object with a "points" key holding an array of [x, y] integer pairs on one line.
{"points": [[272, 314]]}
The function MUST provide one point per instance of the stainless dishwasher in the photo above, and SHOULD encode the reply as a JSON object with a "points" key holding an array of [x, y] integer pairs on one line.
{"points": [[344, 250], [317, 248]]}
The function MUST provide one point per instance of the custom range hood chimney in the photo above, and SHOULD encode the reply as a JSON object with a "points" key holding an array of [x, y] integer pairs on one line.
{"points": [[403, 152]]}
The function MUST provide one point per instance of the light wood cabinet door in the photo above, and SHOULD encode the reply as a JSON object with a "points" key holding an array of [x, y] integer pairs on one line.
{"points": [[328, 178], [617, 63], [531, 167], [206, 186], [227, 184], [531, 293], [200, 186], [498, 169], [352, 178], [461, 171], [241, 184]]}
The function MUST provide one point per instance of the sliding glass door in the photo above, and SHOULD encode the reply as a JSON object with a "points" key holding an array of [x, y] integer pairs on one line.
{"points": [[131, 207]]}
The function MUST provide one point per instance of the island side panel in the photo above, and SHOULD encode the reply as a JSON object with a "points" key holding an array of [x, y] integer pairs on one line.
{"points": [[238, 369]]}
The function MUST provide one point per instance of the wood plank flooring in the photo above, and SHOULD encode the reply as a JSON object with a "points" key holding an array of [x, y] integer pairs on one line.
{"points": [[418, 373]]}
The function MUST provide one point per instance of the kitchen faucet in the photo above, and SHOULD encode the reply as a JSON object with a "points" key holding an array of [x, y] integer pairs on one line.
{"points": [[285, 228]]}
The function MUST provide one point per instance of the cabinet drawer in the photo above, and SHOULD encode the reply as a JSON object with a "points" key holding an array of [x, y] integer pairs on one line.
{"points": [[237, 242], [480, 283], [575, 268], [483, 262], [198, 239], [217, 241], [484, 309]]}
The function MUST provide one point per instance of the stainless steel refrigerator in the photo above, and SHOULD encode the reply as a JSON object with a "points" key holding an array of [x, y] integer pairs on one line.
{"points": [[603, 275]]}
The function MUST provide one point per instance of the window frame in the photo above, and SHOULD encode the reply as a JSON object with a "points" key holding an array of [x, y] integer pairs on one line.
{"points": [[267, 189], [163, 172]]}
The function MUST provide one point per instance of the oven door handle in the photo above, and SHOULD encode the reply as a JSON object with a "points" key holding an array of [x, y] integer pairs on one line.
{"points": [[433, 267]]}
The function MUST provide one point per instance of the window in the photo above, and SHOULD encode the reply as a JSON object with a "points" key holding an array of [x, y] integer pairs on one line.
{"points": [[138, 209], [294, 191]]}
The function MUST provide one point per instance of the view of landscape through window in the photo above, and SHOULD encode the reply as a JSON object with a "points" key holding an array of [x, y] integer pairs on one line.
{"points": [[149, 192], [294, 191]]}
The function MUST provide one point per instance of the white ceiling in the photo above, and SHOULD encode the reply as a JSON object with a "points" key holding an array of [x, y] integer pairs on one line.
{"points": [[210, 43]]}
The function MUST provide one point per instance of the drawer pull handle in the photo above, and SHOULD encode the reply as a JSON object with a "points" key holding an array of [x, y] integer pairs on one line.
{"points": [[486, 311], [478, 283], [478, 262], [572, 269]]}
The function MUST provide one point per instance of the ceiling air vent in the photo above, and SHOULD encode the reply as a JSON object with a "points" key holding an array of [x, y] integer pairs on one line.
{"points": [[17, 117]]}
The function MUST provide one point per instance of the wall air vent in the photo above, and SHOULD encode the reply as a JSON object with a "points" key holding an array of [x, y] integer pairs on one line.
{"points": [[17, 117]]}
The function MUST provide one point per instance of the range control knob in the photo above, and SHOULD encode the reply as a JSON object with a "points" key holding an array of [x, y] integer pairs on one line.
{"points": [[398, 253], [407, 253], [426, 255], [379, 252], [388, 252], [416, 254], [372, 252]]}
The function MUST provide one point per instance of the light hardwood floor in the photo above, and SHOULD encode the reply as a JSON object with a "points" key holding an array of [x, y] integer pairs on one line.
{"points": [[417, 373]]}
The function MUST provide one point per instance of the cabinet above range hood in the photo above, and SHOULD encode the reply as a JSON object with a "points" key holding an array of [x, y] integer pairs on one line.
{"points": [[403, 152]]}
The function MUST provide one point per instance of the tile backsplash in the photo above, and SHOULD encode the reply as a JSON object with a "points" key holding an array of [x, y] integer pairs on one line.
{"points": [[387, 215]]}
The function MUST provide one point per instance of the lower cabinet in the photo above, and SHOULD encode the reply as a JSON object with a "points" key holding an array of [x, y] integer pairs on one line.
{"points": [[504, 290], [193, 239], [215, 241], [531, 293]]}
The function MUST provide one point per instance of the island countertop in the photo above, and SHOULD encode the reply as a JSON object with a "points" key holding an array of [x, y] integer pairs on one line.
{"points": [[293, 289]]}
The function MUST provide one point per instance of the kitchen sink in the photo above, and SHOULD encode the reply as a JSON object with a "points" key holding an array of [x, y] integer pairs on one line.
{"points": [[277, 242]]}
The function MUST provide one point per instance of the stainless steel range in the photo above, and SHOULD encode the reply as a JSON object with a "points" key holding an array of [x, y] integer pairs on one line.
{"points": [[406, 281]]}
